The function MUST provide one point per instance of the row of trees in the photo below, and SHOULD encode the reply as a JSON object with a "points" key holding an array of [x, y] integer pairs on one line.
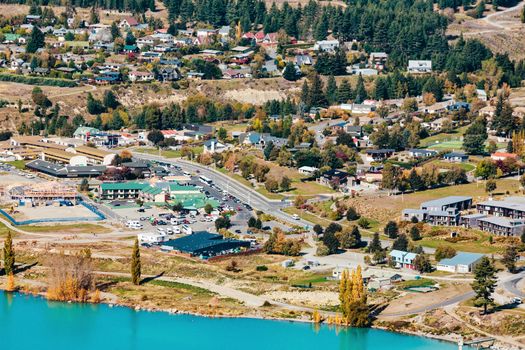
{"points": [[429, 176]]}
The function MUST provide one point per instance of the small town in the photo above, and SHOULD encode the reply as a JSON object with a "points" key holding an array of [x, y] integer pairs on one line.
{"points": [[356, 169]]}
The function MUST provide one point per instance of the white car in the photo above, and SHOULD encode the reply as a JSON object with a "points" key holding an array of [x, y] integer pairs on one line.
{"points": [[296, 217]]}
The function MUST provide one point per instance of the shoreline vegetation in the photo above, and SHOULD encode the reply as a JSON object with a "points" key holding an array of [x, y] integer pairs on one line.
{"points": [[173, 311]]}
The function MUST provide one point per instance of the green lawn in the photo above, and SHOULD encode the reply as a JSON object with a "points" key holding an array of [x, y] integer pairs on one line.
{"points": [[446, 145], [422, 282], [447, 165], [443, 137], [19, 164], [481, 245]]}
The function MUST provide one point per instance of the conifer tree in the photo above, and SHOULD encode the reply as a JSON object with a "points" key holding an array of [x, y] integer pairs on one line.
{"points": [[484, 283], [331, 90]]}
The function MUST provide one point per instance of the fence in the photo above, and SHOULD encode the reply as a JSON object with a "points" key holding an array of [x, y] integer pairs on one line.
{"points": [[97, 212]]}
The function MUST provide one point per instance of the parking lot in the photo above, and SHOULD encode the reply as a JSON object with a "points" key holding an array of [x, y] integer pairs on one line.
{"points": [[150, 217]]}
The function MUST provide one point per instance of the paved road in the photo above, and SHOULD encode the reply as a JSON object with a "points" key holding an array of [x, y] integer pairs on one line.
{"points": [[236, 189], [511, 285]]}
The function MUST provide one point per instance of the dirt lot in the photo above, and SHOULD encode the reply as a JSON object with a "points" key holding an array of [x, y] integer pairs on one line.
{"points": [[52, 212], [413, 300]]}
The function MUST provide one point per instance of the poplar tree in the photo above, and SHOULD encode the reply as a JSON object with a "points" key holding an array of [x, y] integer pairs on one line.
{"points": [[353, 298], [135, 263], [9, 255]]}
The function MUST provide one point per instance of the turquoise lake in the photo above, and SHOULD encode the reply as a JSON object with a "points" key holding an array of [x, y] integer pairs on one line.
{"points": [[28, 323]]}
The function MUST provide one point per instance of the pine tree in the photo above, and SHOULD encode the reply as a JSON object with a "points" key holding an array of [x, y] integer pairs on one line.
{"points": [[290, 73], [352, 214], [360, 91], [401, 243], [344, 92], [36, 41], [484, 283], [391, 230], [9, 255], [375, 244], [415, 235], [331, 90], [135, 263], [510, 257], [316, 97]]}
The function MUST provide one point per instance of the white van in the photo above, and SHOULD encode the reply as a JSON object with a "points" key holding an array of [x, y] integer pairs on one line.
{"points": [[185, 173], [150, 238], [134, 225], [295, 217], [186, 230]]}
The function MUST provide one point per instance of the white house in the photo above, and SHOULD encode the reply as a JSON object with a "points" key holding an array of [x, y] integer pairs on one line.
{"points": [[136, 76], [419, 66], [326, 45], [307, 170], [214, 146], [461, 263]]}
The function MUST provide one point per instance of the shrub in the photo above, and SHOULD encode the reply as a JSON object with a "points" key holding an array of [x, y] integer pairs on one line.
{"points": [[261, 268], [363, 223]]}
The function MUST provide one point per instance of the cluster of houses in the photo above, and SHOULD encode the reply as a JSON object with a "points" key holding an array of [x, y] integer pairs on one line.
{"points": [[73, 48], [376, 279], [504, 217]]}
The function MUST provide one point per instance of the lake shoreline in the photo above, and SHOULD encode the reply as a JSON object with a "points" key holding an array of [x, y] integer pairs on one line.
{"points": [[172, 311]]}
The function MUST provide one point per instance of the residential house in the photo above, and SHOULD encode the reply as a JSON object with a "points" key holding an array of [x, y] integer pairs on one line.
{"points": [[419, 66], [304, 59], [308, 170], [214, 146], [456, 157], [168, 74], [402, 259], [378, 155], [358, 108], [326, 45], [378, 60], [421, 153], [503, 155], [128, 22], [137, 76], [333, 178]]}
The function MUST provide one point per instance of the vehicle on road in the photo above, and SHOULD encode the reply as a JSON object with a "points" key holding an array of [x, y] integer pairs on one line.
{"points": [[295, 217], [516, 300]]}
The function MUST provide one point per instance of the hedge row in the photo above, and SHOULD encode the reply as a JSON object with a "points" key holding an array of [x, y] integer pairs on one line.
{"points": [[37, 80]]}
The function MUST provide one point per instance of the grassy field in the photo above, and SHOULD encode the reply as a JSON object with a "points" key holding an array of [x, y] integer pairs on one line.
{"points": [[19, 164], [434, 140], [447, 145], [314, 219], [66, 228], [413, 200], [481, 245], [446, 165]]}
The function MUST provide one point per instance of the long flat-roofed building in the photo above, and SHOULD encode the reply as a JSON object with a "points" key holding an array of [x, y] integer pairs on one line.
{"points": [[95, 155]]}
